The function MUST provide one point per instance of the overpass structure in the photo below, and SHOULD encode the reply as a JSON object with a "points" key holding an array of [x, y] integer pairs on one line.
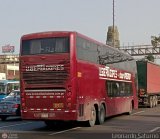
{"points": [[142, 50], [138, 50]]}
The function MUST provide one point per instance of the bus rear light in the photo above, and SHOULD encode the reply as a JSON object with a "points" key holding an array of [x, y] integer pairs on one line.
{"points": [[23, 105], [23, 99], [69, 99], [69, 93], [69, 87], [68, 105]]}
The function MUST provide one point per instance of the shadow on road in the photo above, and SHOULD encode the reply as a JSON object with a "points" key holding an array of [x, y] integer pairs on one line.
{"points": [[10, 119], [58, 126]]}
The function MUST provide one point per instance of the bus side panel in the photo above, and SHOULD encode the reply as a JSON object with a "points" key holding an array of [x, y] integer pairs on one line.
{"points": [[90, 88]]}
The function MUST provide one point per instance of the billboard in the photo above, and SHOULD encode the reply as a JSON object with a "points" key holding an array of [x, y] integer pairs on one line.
{"points": [[8, 49]]}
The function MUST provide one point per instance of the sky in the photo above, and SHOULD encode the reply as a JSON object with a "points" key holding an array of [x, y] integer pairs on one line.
{"points": [[137, 20]]}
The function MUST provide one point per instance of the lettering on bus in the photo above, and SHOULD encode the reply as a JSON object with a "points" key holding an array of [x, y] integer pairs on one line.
{"points": [[44, 67], [108, 73], [44, 94], [125, 76]]}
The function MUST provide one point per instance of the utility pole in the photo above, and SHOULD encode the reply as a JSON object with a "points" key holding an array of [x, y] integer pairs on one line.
{"points": [[113, 25], [113, 34]]}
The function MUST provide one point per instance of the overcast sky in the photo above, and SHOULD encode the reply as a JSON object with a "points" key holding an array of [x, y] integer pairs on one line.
{"points": [[137, 20]]}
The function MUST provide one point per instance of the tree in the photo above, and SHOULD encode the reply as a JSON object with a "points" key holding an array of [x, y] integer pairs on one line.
{"points": [[150, 57], [155, 41]]}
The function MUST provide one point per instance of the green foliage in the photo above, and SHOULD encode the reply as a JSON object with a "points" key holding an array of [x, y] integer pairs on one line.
{"points": [[150, 57], [155, 41]]}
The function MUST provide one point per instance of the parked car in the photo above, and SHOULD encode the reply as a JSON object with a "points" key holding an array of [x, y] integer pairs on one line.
{"points": [[10, 105], [2, 95]]}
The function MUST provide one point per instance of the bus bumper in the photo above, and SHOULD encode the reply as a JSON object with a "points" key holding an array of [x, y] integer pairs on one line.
{"points": [[51, 115]]}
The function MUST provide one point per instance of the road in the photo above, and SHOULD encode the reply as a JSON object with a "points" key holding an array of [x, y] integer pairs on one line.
{"points": [[143, 123]]}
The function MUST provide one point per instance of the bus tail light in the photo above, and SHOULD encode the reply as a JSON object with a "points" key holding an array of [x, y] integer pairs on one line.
{"points": [[22, 100], [69, 93], [23, 105], [68, 99], [68, 105], [69, 90], [68, 96]]}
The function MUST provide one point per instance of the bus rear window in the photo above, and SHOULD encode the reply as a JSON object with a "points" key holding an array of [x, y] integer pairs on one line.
{"points": [[45, 46]]}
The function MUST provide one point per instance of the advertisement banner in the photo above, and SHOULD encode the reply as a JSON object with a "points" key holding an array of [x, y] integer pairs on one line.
{"points": [[8, 49]]}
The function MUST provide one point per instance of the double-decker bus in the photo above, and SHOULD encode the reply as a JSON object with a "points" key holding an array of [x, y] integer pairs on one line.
{"points": [[66, 76]]}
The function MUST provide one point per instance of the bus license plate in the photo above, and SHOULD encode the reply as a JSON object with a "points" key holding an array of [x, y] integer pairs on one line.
{"points": [[58, 105], [44, 115]]}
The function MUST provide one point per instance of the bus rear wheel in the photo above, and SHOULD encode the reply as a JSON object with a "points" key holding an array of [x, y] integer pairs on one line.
{"points": [[101, 115], [92, 120]]}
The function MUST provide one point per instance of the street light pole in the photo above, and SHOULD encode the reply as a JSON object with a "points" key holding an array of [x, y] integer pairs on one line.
{"points": [[113, 26]]}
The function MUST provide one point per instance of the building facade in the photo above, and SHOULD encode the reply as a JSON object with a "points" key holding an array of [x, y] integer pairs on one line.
{"points": [[9, 67]]}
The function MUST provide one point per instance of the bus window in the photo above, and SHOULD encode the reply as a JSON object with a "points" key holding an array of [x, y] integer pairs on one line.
{"points": [[122, 89], [45, 46], [109, 88], [115, 89]]}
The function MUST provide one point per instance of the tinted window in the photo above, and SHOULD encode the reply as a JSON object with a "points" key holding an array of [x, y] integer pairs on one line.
{"points": [[96, 53], [87, 50], [118, 89], [45, 46]]}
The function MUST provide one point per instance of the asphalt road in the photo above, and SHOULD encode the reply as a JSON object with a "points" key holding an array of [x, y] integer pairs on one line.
{"points": [[143, 123]]}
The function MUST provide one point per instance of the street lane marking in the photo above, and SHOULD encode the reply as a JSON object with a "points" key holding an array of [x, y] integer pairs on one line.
{"points": [[16, 124], [137, 112], [154, 129], [64, 131]]}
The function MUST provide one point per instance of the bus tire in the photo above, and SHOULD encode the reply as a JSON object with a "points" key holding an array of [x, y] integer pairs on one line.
{"points": [[101, 115], [92, 120]]}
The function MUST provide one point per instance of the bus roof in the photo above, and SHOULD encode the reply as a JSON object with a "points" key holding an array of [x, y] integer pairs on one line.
{"points": [[66, 33], [46, 34]]}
